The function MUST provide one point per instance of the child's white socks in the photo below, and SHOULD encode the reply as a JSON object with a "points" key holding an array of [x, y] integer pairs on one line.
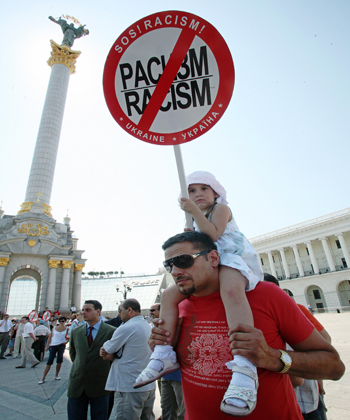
{"points": [[239, 379], [160, 353]]}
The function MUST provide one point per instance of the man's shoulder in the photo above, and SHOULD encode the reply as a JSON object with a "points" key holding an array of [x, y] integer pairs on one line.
{"points": [[78, 330], [109, 328], [266, 290]]}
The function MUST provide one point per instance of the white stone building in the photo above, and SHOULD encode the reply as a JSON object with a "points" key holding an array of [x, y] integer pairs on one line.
{"points": [[311, 260]]}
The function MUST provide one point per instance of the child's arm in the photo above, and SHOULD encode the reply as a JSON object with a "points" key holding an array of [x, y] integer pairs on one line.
{"points": [[219, 219]]}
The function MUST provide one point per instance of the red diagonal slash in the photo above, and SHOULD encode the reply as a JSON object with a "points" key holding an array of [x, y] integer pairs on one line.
{"points": [[176, 58]]}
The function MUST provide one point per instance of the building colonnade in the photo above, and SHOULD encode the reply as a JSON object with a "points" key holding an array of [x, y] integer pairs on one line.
{"points": [[315, 269]]}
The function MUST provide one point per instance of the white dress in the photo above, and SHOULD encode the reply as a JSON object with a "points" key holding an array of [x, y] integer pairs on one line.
{"points": [[237, 252]]}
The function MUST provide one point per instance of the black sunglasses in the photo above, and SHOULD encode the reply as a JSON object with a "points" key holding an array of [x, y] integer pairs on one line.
{"points": [[182, 261]]}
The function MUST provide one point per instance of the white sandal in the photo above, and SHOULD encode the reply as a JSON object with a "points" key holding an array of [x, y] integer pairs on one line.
{"points": [[169, 367], [41, 382], [248, 395]]}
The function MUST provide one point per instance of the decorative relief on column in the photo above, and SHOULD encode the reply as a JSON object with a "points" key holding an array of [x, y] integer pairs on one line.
{"points": [[67, 264], [47, 210], [4, 261], [79, 267], [53, 263], [63, 55], [28, 206], [25, 207], [33, 231]]}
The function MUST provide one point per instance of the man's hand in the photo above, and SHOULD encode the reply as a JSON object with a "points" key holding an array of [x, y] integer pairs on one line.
{"points": [[162, 337], [105, 355], [250, 342]]}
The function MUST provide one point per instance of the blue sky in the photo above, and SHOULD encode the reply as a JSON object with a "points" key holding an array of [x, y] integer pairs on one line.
{"points": [[281, 150]]}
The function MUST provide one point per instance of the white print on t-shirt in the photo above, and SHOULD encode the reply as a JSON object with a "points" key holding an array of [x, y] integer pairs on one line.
{"points": [[207, 352]]}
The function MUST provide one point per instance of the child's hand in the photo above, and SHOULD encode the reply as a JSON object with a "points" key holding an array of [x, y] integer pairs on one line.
{"points": [[188, 205]]}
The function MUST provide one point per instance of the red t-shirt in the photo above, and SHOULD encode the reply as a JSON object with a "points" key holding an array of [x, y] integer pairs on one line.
{"points": [[203, 350], [319, 327]]}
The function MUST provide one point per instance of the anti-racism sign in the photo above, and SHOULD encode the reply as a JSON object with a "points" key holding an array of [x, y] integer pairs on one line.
{"points": [[33, 316], [46, 316], [168, 78]]}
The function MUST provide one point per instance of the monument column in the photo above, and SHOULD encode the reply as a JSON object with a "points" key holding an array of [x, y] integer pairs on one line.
{"points": [[42, 171], [298, 260], [66, 265], [51, 287], [272, 265], [78, 268], [313, 258], [3, 264], [328, 253]]}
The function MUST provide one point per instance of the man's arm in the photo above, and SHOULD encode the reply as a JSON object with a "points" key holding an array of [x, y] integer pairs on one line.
{"points": [[72, 351], [119, 338], [313, 358]]}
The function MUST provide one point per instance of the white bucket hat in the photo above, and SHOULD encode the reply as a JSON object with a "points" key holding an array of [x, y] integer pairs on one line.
{"points": [[206, 178]]}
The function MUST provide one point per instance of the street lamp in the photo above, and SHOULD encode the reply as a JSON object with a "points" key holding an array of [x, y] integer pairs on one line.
{"points": [[127, 288]]}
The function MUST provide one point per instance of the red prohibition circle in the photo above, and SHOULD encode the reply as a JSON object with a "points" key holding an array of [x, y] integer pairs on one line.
{"points": [[33, 316], [190, 30], [46, 316]]}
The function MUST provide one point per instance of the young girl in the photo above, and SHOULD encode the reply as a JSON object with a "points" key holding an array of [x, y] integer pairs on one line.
{"points": [[56, 344], [240, 271]]}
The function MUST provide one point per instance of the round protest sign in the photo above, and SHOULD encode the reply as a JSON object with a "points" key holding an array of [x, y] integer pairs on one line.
{"points": [[46, 316], [33, 316], [168, 78]]}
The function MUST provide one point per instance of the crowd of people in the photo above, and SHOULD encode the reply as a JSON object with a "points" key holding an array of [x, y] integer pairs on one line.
{"points": [[224, 342]]}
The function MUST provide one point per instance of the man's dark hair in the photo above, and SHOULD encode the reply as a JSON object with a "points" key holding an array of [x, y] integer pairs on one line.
{"points": [[62, 317], [96, 304], [199, 240], [25, 317], [271, 279], [131, 303]]}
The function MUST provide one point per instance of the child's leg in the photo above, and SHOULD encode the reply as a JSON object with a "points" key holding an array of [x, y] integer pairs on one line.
{"points": [[233, 295], [169, 311], [163, 359]]}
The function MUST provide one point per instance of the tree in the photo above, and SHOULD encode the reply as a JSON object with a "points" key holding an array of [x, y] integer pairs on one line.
{"points": [[116, 272], [121, 273], [102, 273], [91, 273]]}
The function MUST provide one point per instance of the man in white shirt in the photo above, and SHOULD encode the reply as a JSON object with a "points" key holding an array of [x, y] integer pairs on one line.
{"points": [[129, 341], [5, 326], [28, 340]]}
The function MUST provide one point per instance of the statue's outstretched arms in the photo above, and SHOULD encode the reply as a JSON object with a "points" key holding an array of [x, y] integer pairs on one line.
{"points": [[53, 19]]}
